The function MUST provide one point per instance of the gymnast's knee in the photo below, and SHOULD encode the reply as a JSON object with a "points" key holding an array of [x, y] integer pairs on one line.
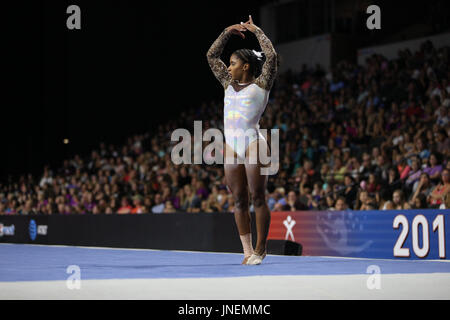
{"points": [[241, 202], [259, 199]]}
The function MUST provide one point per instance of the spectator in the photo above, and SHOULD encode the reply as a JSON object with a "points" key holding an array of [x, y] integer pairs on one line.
{"points": [[329, 202], [433, 169], [351, 190], [399, 202], [341, 204], [191, 201], [125, 206], [372, 185], [423, 186], [442, 142], [229, 203], [413, 174], [138, 207], [446, 204], [420, 202], [213, 203], [159, 204], [437, 195], [293, 203], [169, 208], [364, 202], [385, 202]]}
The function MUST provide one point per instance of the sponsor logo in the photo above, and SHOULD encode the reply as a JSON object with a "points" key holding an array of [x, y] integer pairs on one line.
{"points": [[289, 223], [42, 230], [32, 229], [35, 230], [6, 230]]}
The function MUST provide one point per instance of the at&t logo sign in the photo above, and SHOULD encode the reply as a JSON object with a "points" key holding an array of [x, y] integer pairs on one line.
{"points": [[35, 229]]}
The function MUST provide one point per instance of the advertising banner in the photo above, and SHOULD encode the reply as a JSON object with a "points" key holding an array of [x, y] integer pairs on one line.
{"points": [[408, 234]]}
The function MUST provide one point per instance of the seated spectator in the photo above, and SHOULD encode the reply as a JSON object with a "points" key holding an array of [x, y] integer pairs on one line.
{"points": [[159, 206], [271, 199], [305, 193], [399, 201], [413, 175], [437, 195], [384, 200], [433, 169], [304, 153], [169, 208], [309, 169], [213, 202], [364, 201], [341, 204], [317, 192], [201, 191], [402, 167], [125, 206], [423, 186], [393, 182], [366, 166], [421, 149], [62, 209], [222, 198], [191, 201], [138, 207], [420, 202], [330, 202], [350, 191], [442, 142], [293, 203], [280, 196], [229, 204], [179, 198], [372, 184], [325, 173], [446, 203], [339, 170]]}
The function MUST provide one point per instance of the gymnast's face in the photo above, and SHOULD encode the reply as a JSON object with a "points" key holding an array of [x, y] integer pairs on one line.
{"points": [[237, 68]]}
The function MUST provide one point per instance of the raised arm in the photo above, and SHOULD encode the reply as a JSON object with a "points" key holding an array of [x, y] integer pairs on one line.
{"points": [[215, 63], [269, 69], [217, 66]]}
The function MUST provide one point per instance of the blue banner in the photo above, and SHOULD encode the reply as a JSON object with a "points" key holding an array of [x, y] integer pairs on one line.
{"points": [[398, 234]]}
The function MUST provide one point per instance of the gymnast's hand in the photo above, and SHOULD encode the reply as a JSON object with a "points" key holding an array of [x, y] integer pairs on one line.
{"points": [[249, 25], [237, 29]]}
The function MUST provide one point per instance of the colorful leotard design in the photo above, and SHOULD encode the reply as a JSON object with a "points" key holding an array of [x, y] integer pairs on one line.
{"points": [[243, 104]]}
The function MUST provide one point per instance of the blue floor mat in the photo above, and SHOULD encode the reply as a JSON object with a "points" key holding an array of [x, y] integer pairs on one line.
{"points": [[21, 262]]}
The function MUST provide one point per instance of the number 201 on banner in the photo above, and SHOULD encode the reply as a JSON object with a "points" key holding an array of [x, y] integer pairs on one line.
{"points": [[421, 252]]}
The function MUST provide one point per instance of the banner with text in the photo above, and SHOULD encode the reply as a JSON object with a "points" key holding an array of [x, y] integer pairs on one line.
{"points": [[407, 234]]}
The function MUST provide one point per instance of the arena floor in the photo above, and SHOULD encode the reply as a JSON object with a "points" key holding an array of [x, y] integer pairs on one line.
{"points": [[44, 272]]}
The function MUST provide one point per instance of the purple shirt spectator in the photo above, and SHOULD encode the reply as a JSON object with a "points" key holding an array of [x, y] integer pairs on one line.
{"points": [[433, 171]]}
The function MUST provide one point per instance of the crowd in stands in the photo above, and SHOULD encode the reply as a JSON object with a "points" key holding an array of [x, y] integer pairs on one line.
{"points": [[372, 137]]}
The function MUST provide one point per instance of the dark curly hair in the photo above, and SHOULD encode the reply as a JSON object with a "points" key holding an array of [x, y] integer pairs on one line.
{"points": [[256, 62]]}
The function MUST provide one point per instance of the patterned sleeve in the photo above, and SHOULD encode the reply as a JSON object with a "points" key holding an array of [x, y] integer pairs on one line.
{"points": [[269, 70], [217, 66]]}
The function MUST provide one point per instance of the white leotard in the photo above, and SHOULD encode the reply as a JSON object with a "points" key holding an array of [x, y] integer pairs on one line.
{"points": [[243, 110]]}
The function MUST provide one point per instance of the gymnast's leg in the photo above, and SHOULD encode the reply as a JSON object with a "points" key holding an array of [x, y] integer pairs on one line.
{"points": [[237, 182], [257, 185]]}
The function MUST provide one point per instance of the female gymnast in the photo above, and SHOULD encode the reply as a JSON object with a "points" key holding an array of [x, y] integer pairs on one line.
{"points": [[247, 83]]}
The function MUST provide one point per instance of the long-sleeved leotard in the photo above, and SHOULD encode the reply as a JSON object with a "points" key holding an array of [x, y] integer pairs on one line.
{"points": [[243, 104]]}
